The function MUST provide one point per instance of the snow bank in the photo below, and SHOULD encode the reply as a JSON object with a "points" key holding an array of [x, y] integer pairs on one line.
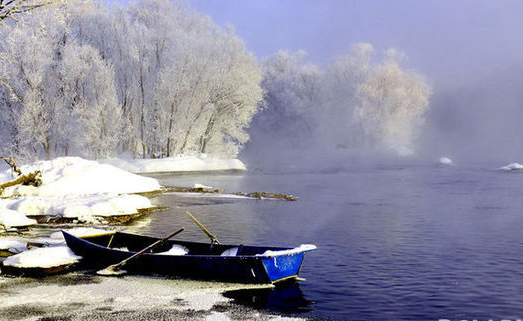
{"points": [[81, 207], [301, 248], [44, 257], [511, 167], [74, 175], [179, 163], [74, 188], [445, 161], [10, 218]]}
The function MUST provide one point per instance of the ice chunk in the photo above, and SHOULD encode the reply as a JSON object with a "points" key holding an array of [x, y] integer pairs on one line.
{"points": [[13, 246], [445, 161], [512, 167], [10, 218]]}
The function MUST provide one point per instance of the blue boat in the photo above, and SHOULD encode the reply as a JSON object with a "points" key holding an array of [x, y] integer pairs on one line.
{"points": [[220, 262]]}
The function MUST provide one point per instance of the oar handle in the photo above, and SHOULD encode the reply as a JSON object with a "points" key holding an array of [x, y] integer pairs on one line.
{"points": [[150, 247], [206, 231]]}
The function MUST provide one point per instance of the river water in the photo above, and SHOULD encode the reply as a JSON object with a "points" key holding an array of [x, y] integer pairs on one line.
{"points": [[395, 241]]}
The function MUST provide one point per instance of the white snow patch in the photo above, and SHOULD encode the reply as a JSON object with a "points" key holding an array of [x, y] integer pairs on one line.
{"points": [[511, 167], [82, 207], [176, 249], [74, 175], [178, 163], [301, 248], [79, 232], [10, 218], [233, 251], [44, 257], [13, 246], [217, 316], [203, 301], [202, 186], [445, 161]]}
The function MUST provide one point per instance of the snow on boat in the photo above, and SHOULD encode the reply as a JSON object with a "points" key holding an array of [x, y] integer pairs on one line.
{"points": [[236, 263]]}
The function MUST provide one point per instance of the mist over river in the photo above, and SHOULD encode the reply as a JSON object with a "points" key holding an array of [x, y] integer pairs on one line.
{"points": [[395, 242]]}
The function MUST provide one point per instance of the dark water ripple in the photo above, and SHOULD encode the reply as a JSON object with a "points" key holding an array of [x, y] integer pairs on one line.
{"points": [[395, 242]]}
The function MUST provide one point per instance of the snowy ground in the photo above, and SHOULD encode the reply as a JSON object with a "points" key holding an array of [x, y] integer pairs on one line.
{"points": [[73, 188], [179, 163], [85, 191], [77, 296]]}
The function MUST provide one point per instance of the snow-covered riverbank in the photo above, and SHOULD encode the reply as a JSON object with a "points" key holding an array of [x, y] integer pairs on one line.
{"points": [[179, 163], [73, 188], [87, 191]]}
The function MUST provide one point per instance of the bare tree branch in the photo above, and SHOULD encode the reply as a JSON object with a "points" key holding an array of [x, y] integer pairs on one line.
{"points": [[10, 8]]}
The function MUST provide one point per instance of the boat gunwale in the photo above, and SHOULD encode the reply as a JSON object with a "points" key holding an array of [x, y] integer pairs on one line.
{"points": [[255, 256]]}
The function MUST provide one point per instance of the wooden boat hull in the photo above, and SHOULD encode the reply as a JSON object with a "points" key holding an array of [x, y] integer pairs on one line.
{"points": [[205, 263]]}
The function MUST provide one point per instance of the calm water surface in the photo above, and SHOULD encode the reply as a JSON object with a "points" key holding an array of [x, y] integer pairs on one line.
{"points": [[398, 242]]}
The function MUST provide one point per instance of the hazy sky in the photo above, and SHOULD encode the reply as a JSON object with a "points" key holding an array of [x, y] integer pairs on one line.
{"points": [[444, 39]]}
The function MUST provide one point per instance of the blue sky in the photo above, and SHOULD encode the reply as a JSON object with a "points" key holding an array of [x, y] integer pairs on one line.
{"points": [[447, 40], [444, 39]]}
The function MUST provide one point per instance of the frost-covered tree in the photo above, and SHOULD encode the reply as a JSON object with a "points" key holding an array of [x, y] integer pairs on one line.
{"points": [[391, 106], [234, 97], [357, 102], [95, 122], [339, 87], [153, 78], [30, 49], [378, 105], [291, 96]]}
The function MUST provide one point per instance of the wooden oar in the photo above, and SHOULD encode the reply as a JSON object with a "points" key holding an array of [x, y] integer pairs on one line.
{"points": [[115, 269], [206, 231]]}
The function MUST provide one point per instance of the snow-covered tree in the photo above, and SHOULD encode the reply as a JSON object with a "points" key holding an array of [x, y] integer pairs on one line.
{"points": [[378, 105], [292, 96], [357, 102], [153, 78], [391, 106], [95, 122], [29, 49]]}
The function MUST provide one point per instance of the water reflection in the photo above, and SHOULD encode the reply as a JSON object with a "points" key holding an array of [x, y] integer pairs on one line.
{"points": [[231, 220], [287, 298]]}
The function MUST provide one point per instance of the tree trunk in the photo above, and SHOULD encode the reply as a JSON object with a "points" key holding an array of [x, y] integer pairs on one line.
{"points": [[171, 122], [142, 114], [205, 137]]}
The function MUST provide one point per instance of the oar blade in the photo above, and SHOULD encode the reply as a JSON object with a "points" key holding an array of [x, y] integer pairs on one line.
{"points": [[111, 270]]}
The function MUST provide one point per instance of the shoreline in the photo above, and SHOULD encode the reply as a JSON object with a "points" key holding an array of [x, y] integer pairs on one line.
{"points": [[79, 296]]}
